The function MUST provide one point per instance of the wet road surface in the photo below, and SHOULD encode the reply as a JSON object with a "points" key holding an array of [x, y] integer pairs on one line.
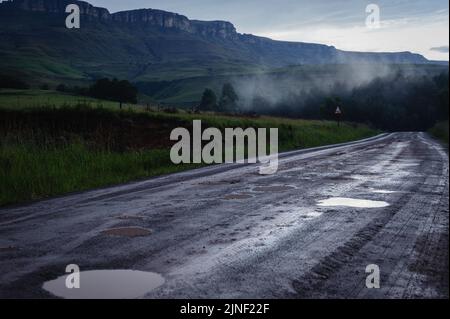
{"points": [[309, 231]]}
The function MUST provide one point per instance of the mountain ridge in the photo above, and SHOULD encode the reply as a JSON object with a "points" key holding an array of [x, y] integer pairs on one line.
{"points": [[216, 28]]}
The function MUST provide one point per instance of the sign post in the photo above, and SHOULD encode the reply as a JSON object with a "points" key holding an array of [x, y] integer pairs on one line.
{"points": [[338, 114]]}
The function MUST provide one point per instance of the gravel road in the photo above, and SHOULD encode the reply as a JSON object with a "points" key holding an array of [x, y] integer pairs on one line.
{"points": [[308, 231]]}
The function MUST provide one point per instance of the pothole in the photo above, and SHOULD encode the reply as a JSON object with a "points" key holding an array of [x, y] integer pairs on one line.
{"points": [[275, 189], [7, 248], [106, 284], [221, 182], [127, 231], [352, 202]]}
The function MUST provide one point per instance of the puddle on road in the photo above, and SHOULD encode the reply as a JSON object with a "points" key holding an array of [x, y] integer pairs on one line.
{"points": [[106, 284], [352, 202], [275, 189], [383, 191], [360, 177], [127, 231]]}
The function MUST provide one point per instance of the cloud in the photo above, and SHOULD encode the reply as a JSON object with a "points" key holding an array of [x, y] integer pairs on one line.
{"points": [[441, 49]]}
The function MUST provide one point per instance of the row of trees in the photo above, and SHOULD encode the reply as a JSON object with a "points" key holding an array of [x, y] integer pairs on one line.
{"points": [[121, 91], [396, 103], [228, 102]]}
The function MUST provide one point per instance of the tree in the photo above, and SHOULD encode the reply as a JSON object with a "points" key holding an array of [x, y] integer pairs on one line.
{"points": [[229, 98], [125, 92], [45, 87], [115, 90], [61, 88], [209, 101]]}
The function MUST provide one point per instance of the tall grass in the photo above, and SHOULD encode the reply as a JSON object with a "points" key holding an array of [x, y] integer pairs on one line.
{"points": [[28, 172]]}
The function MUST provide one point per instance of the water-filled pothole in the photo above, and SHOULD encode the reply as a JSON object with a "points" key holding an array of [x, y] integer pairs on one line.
{"points": [[106, 284], [127, 231], [352, 202], [383, 191]]}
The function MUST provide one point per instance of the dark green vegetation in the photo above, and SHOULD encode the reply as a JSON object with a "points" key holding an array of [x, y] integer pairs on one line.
{"points": [[45, 151], [401, 100], [441, 131], [208, 102], [228, 102], [114, 90]]}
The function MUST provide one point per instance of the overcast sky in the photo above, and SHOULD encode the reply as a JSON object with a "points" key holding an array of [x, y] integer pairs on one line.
{"points": [[420, 26]]}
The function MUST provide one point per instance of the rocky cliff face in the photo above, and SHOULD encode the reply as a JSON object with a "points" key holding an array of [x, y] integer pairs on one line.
{"points": [[221, 29], [169, 20], [157, 18]]}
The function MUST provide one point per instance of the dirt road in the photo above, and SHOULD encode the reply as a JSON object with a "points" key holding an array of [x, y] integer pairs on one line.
{"points": [[228, 232]]}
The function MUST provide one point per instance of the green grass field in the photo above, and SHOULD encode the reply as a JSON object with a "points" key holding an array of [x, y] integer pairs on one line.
{"points": [[53, 143], [19, 99]]}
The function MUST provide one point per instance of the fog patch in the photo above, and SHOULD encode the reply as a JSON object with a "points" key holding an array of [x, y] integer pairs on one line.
{"points": [[299, 84]]}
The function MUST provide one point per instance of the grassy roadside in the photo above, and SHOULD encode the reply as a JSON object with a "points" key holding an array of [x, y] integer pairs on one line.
{"points": [[47, 151], [29, 172]]}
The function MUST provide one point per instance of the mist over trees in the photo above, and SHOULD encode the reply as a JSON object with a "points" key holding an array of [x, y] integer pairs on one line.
{"points": [[396, 102]]}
